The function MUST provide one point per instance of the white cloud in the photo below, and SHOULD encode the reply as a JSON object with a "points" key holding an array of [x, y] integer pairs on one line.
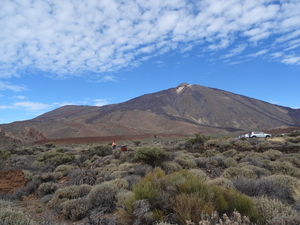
{"points": [[291, 60], [8, 86], [107, 78], [72, 38], [237, 50], [100, 102], [262, 52], [20, 97], [32, 106]]}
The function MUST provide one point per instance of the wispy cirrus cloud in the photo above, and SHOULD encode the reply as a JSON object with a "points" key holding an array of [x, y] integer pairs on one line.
{"points": [[72, 38], [11, 87]]}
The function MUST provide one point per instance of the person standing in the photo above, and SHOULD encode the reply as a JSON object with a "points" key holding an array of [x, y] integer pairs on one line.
{"points": [[113, 144]]}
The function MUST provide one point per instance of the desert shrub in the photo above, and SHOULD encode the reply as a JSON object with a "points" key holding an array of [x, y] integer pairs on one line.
{"points": [[290, 158], [80, 176], [273, 154], [122, 196], [260, 172], [68, 193], [136, 143], [57, 158], [99, 150], [198, 139], [230, 153], [64, 169], [186, 161], [97, 216], [253, 161], [48, 177], [47, 188], [132, 180], [191, 207], [296, 139], [120, 183], [201, 162], [275, 212], [285, 168], [233, 172], [221, 181], [180, 196], [170, 166], [263, 187], [75, 209], [239, 156], [119, 174], [236, 218], [213, 143], [10, 216], [4, 155], [49, 145], [199, 173], [151, 156], [230, 162], [244, 145], [103, 195], [264, 145], [284, 180], [5, 204], [211, 152]]}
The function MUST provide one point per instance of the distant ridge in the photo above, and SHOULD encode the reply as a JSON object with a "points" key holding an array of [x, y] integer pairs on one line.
{"points": [[185, 109]]}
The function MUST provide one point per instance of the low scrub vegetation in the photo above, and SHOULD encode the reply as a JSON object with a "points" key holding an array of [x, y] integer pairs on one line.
{"points": [[198, 180]]}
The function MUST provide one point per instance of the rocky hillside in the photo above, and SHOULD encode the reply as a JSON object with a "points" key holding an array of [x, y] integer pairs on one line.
{"points": [[185, 109]]}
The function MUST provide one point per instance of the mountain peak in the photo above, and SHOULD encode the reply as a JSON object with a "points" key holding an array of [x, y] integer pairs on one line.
{"points": [[181, 86]]}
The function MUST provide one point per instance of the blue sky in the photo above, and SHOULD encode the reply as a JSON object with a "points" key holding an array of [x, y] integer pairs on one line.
{"points": [[97, 52]]}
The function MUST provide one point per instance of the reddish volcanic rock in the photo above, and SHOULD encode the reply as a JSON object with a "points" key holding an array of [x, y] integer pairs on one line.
{"points": [[10, 180]]}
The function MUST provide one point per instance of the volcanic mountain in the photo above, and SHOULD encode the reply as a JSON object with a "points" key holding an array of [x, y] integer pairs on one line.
{"points": [[185, 109]]}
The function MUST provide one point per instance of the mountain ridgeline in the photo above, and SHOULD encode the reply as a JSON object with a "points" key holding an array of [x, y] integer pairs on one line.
{"points": [[185, 109]]}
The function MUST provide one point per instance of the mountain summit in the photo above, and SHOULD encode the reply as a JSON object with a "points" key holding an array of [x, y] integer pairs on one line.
{"points": [[185, 109]]}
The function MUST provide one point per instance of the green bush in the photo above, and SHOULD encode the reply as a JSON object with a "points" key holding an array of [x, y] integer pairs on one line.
{"points": [[103, 195], [136, 143], [64, 169], [275, 212], [56, 158], [10, 216], [47, 188], [198, 139], [170, 166], [75, 209], [230, 162], [186, 161], [244, 145], [184, 196], [68, 193], [199, 173], [100, 150], [285, 168], [234, 172], [151, 156], [273, 154], [221, 181]]}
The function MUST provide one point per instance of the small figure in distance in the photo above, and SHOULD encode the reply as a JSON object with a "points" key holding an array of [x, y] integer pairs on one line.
{"points": [[113, 144]]}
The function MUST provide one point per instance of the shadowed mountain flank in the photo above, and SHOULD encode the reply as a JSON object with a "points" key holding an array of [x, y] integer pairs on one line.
{"points": [[185, 109]]}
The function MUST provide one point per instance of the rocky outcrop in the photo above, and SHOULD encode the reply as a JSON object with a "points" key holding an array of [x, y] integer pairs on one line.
{"points": [[31, 133], [7, 138]]}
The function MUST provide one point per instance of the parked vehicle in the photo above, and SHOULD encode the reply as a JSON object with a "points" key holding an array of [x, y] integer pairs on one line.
{"points": [[244, 136], [259, 134]]}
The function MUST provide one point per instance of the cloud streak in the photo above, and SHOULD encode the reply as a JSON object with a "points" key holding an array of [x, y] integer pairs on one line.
{"points": [[74, 38]]}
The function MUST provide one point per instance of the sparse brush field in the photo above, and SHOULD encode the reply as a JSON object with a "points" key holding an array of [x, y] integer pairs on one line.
{"points": [[199, 180]]}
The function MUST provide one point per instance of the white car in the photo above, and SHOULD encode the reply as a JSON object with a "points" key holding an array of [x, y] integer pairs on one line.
{"points": [[259, 134]]}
